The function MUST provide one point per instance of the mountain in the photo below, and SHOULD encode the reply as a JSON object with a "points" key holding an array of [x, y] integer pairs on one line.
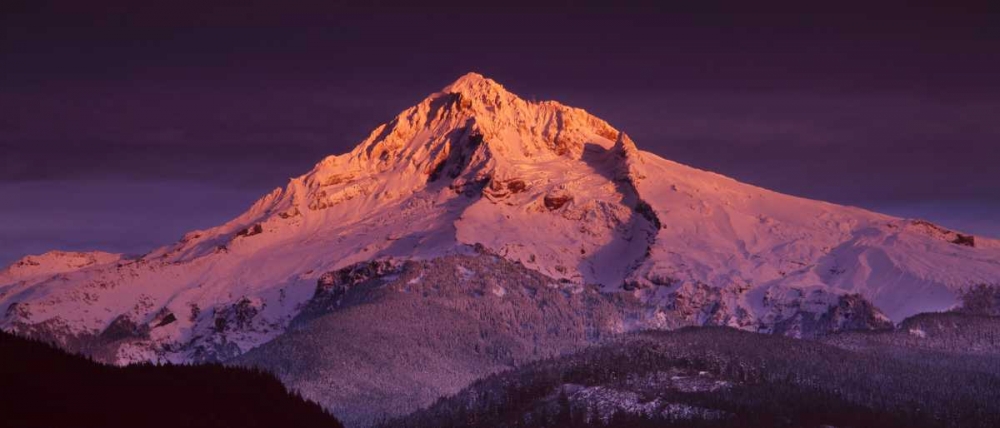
{"points": [[525, 214], [45, 387], [384, 340], [720, 377]]}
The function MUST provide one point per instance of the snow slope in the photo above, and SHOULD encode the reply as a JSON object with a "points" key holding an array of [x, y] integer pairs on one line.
{"points": [[540, 183]]}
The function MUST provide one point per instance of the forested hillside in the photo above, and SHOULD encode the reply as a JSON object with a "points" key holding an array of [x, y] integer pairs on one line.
{"points": [[44, 387], [721, 377]]}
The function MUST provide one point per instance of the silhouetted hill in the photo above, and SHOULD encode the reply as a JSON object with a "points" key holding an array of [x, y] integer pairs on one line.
{"points": [[45, 387]]}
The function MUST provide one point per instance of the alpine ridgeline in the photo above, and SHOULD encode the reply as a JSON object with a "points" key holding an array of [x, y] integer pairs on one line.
{"points": [[505, 203]]}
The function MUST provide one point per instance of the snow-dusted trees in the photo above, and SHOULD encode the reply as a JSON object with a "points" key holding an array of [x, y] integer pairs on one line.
{"points": [[45, 387], [718, 377], [982, 299]]}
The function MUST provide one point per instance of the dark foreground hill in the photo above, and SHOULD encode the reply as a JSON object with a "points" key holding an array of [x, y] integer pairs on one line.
{"points": [[719, 377], [44, 387]]}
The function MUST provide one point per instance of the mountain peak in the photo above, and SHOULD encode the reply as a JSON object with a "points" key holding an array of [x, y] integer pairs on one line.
{"points": [[472, 77], [473, 85], [474, 119]]}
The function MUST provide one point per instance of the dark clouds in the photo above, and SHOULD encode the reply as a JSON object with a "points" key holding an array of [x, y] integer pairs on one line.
{"points": [[136, 112]]}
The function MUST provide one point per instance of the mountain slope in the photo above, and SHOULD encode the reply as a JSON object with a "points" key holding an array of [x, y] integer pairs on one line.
{"points": [[541, 184], [782, 248], [46, 387], [395, 337], [720, 377]]}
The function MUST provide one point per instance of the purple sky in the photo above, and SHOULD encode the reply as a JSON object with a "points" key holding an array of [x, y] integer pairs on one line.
{"points": [[122, 127]]}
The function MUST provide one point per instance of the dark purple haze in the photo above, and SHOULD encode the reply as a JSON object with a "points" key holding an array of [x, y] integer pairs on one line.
{"points": [[121, 127]]}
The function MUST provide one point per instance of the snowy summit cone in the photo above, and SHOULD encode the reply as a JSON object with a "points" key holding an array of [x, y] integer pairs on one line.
{"points": [[475, 86], [470, 112], [474, 169]]}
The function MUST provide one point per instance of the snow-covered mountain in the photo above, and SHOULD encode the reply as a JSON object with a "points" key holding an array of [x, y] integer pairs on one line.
{"points": [[474, 169]]}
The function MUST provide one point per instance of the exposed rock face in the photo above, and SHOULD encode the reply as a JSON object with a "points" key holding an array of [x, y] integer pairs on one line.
{"points": [[851, 313], [939, 232], [554, 202], [789, 312], [967, 240], [701, 304], [251, 231], [338, 281], [332, 287], [17, 311], [644, 209], [166, 320], [498, 190], [122, 328], [239, 315]]}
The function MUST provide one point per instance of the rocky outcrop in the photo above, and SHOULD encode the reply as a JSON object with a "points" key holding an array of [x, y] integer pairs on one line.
{"points": [[333, 195], [463, 153], [256, 229], [702, 304], [850, 312], [941, 233], [966, 240], [237, 316], [332, 287], [498, 190], [164, 320], [124, 328], [647, 212], [336, 282], [555, 201], [800, 313]]}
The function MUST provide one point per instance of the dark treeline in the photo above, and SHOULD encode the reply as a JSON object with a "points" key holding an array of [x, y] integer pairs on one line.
{"points": [[776, 382], [41, 386]]}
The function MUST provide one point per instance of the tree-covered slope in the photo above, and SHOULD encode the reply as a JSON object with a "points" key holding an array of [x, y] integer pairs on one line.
{"points": [[43, 387], [721, 377]]}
